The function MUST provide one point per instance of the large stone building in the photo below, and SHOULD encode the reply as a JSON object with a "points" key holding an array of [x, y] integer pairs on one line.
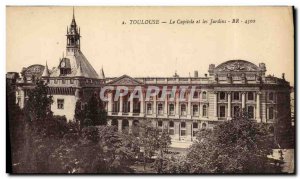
{"points": [[217, 96]]}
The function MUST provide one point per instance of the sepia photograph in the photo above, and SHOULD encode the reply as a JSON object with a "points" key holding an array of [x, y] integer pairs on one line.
{"points": [[150, 90]]}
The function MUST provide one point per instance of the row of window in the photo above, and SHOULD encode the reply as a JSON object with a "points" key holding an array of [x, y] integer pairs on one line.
{"points": [[195, 127], [159, 95], [71, 81], [236, 96], [183, 109], [250, 111], [160, 109], [250, 96]]}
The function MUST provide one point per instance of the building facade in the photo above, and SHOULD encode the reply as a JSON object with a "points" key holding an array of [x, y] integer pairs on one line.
{"points": [[218, 96]]}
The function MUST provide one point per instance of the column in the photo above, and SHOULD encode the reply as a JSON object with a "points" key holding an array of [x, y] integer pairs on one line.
{"points": [[130, 125], [258, 119], [216, 104], [121, 106], [243, 100], [189, 106], [229, 106], [201, 110], [166, 106], [189, 130], [177, 104], [109, 105], [142, 104], [154, 106], [119, 125], [131, 106], [177, 130]]}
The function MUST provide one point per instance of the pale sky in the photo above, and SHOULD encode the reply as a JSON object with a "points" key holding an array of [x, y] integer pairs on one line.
{"points": [[37, 34]]}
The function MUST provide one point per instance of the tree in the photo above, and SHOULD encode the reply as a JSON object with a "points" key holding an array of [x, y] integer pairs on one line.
{"points": [[38, 104], [98, 150], [79, 114], [236, 146], [152, 141], [93, 113], [15, 127]]}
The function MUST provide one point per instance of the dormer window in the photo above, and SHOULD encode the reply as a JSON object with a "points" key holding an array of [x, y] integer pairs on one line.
{"points": [[65, 66]]}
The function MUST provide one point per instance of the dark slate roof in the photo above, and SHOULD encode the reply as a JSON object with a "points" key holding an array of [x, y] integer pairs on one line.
{"points": [[87, 69]]}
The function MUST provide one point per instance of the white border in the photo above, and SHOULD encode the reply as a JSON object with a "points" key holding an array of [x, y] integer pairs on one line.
{"points": [[4, 3]]}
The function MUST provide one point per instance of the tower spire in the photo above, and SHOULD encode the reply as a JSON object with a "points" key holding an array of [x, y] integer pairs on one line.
{"points": [[46, 71], [73, 37]]}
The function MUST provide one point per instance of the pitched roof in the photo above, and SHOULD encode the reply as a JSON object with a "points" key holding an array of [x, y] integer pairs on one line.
{"points": [[86, 68]]}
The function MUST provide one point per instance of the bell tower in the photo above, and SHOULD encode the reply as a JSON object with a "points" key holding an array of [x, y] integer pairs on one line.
{"points": [[73, 37]]}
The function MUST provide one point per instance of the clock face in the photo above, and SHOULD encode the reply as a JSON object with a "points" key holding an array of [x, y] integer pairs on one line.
{"points": [[62, 64]]}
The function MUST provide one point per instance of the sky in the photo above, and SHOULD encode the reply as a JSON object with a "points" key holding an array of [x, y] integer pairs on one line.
{"points": [[37, 34]]}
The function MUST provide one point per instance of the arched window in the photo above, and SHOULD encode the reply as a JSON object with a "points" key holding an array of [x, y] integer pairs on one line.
{"points": [[204, 95], [204, 125], [195, 110], [271, 96], [250, 96], [149, 108], [160, 108], [222, 95], [195, 95], [171, 109], [251, 112], [204, 111], [183, 109], [271, 113]]}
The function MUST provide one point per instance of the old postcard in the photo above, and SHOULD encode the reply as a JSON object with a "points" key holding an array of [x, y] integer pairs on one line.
{"points": [[139, 90]]}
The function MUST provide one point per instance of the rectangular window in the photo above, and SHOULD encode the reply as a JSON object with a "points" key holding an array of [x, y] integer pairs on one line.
{"points": [[195, 128], [159, 123], [222, 96], [171, 131], [236, 110], [251, 112], [271, 96], [160, 109], [196, 95], [236, 96], [182, 132], [250, 96], [63, 81], [55, 81], [182, 124], [149, 108], [171, 109], [60, 103], [71, 81], [171, 124], [195, 110], [222, 111], [183, 109], [271, 113]]}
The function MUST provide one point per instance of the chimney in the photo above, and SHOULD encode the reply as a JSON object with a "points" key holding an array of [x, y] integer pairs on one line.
{"points": [[196, 74]]}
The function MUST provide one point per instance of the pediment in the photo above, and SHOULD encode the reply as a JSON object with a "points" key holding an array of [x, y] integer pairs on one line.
{"points": [[124, 81], [237, 65]]}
